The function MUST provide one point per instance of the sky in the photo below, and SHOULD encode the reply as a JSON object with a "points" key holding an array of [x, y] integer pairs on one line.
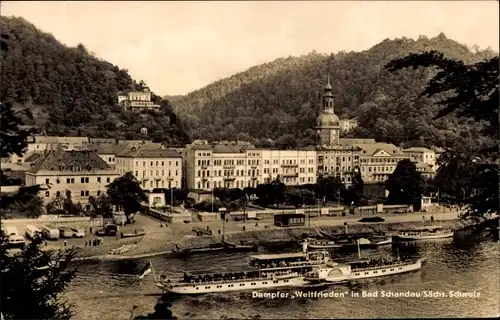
{"points": [[178, 47]]}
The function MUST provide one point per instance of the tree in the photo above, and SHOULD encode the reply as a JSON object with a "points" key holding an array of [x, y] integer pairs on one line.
{"points": [[64, 205], [271, 193], [126, 192], [101, 206], [298, 197], [28, 204], [329, 188], [470, 91], [354, 194], [33, 281], [14, 139], [404, 184]]}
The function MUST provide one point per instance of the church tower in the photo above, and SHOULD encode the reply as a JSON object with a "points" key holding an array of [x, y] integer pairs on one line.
{"points": [[327, 123]]}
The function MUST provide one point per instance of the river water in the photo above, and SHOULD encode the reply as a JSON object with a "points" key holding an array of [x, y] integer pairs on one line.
{"points": [[105, 290]]}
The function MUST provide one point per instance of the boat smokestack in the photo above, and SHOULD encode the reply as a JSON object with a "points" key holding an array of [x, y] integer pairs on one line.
{"points": [[304, 246]]}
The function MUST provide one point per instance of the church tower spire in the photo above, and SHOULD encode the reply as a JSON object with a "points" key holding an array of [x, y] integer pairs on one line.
{"points": [[328, 124]]}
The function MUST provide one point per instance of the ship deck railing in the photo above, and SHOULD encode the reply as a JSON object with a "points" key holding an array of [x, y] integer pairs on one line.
{"points": [[203, 283], [384, 266]]}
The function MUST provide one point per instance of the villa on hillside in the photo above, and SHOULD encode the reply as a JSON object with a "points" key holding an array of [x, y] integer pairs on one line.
{"points": [[137, 101]]}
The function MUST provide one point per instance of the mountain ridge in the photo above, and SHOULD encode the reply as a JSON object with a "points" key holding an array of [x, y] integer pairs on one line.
{"points": [[286, 92], [72, 92]]}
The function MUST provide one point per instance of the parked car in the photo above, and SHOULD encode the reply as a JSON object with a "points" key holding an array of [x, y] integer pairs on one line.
{"points": [[49, 232], [33, 232], [78, 232], [107, 230], [14, 238], [65, 232], [372, 219]]}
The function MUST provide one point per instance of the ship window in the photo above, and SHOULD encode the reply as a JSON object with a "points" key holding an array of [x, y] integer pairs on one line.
{"points": [[207, 287], [375, 271], [400, 268], [357, 274], [392, 269], [242, 284], [197, 288], [253, 283], [264, 282], [383, 270], [286, 280], [366, 272], [275, 281]]}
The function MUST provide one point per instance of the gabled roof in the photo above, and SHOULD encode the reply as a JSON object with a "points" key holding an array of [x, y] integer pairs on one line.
{"points": [[59, 160], [108, 148], [417, 149], [148, 153], [369, 149], [35, 156]]}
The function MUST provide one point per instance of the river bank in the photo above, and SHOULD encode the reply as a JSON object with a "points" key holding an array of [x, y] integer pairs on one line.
{"points": [[161, 240]]}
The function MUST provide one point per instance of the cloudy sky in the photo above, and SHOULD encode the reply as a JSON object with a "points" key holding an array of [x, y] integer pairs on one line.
{"points": [[177, 47]]}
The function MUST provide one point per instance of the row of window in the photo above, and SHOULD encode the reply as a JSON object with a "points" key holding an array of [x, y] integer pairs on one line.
{"points": [[156, 163], [82, 180], [160, 184], [227, 184], [151, 173], [337, 159], [251, 162], [83, 193], [382, 160]]}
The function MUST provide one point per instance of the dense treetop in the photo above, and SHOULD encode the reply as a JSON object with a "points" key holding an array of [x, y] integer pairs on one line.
{"points": [[281, 99], [71, 92]]}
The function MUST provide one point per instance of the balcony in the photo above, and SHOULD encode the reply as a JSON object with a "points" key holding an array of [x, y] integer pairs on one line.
{"points": [[229, 166], [290, 165], [290, 174], [254, 178], [229, 178]]}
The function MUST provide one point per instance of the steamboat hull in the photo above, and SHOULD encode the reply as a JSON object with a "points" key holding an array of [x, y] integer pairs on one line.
{"points": [[402, 237], [367, 273], [250, 284]]}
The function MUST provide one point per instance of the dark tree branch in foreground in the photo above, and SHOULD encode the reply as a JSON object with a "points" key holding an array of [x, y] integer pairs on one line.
{"points": [[470, 175]]}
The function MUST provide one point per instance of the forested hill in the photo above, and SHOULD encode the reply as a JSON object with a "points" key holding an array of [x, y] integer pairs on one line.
{"points": [[281, 100], [72, 92]]}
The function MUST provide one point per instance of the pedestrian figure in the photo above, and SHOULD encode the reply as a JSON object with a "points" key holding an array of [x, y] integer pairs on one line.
{"points": [[85, 242], [423, 217], [208, 229], [227, 220], [135, 231], [432, 218], [46, 244], [244, 228], [65, 243], [90, 230], [121, 234], [117, 236], [101, 240], [218, 231], [256, 224], [161, 225], [94, 242]]}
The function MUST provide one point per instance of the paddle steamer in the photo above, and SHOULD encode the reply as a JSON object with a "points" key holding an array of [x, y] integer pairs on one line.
{"points": [[265, 271], [425, 233]]}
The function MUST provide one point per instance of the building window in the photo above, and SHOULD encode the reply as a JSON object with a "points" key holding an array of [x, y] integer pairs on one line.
{"points": [[86, 180], [108, 179], [82, 180], [72, 180], [47, 194], [98, 193], [58, 193], [82, 193], [87, 193], [98, 179], [47, 181]]}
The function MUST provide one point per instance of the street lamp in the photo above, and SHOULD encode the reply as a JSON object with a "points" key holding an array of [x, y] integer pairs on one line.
{"points": [[223, 216], [170, 179]]}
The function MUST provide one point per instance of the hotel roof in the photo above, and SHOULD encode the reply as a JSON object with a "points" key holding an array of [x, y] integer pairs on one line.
{"points": [[59, 160], [148, 153]]}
